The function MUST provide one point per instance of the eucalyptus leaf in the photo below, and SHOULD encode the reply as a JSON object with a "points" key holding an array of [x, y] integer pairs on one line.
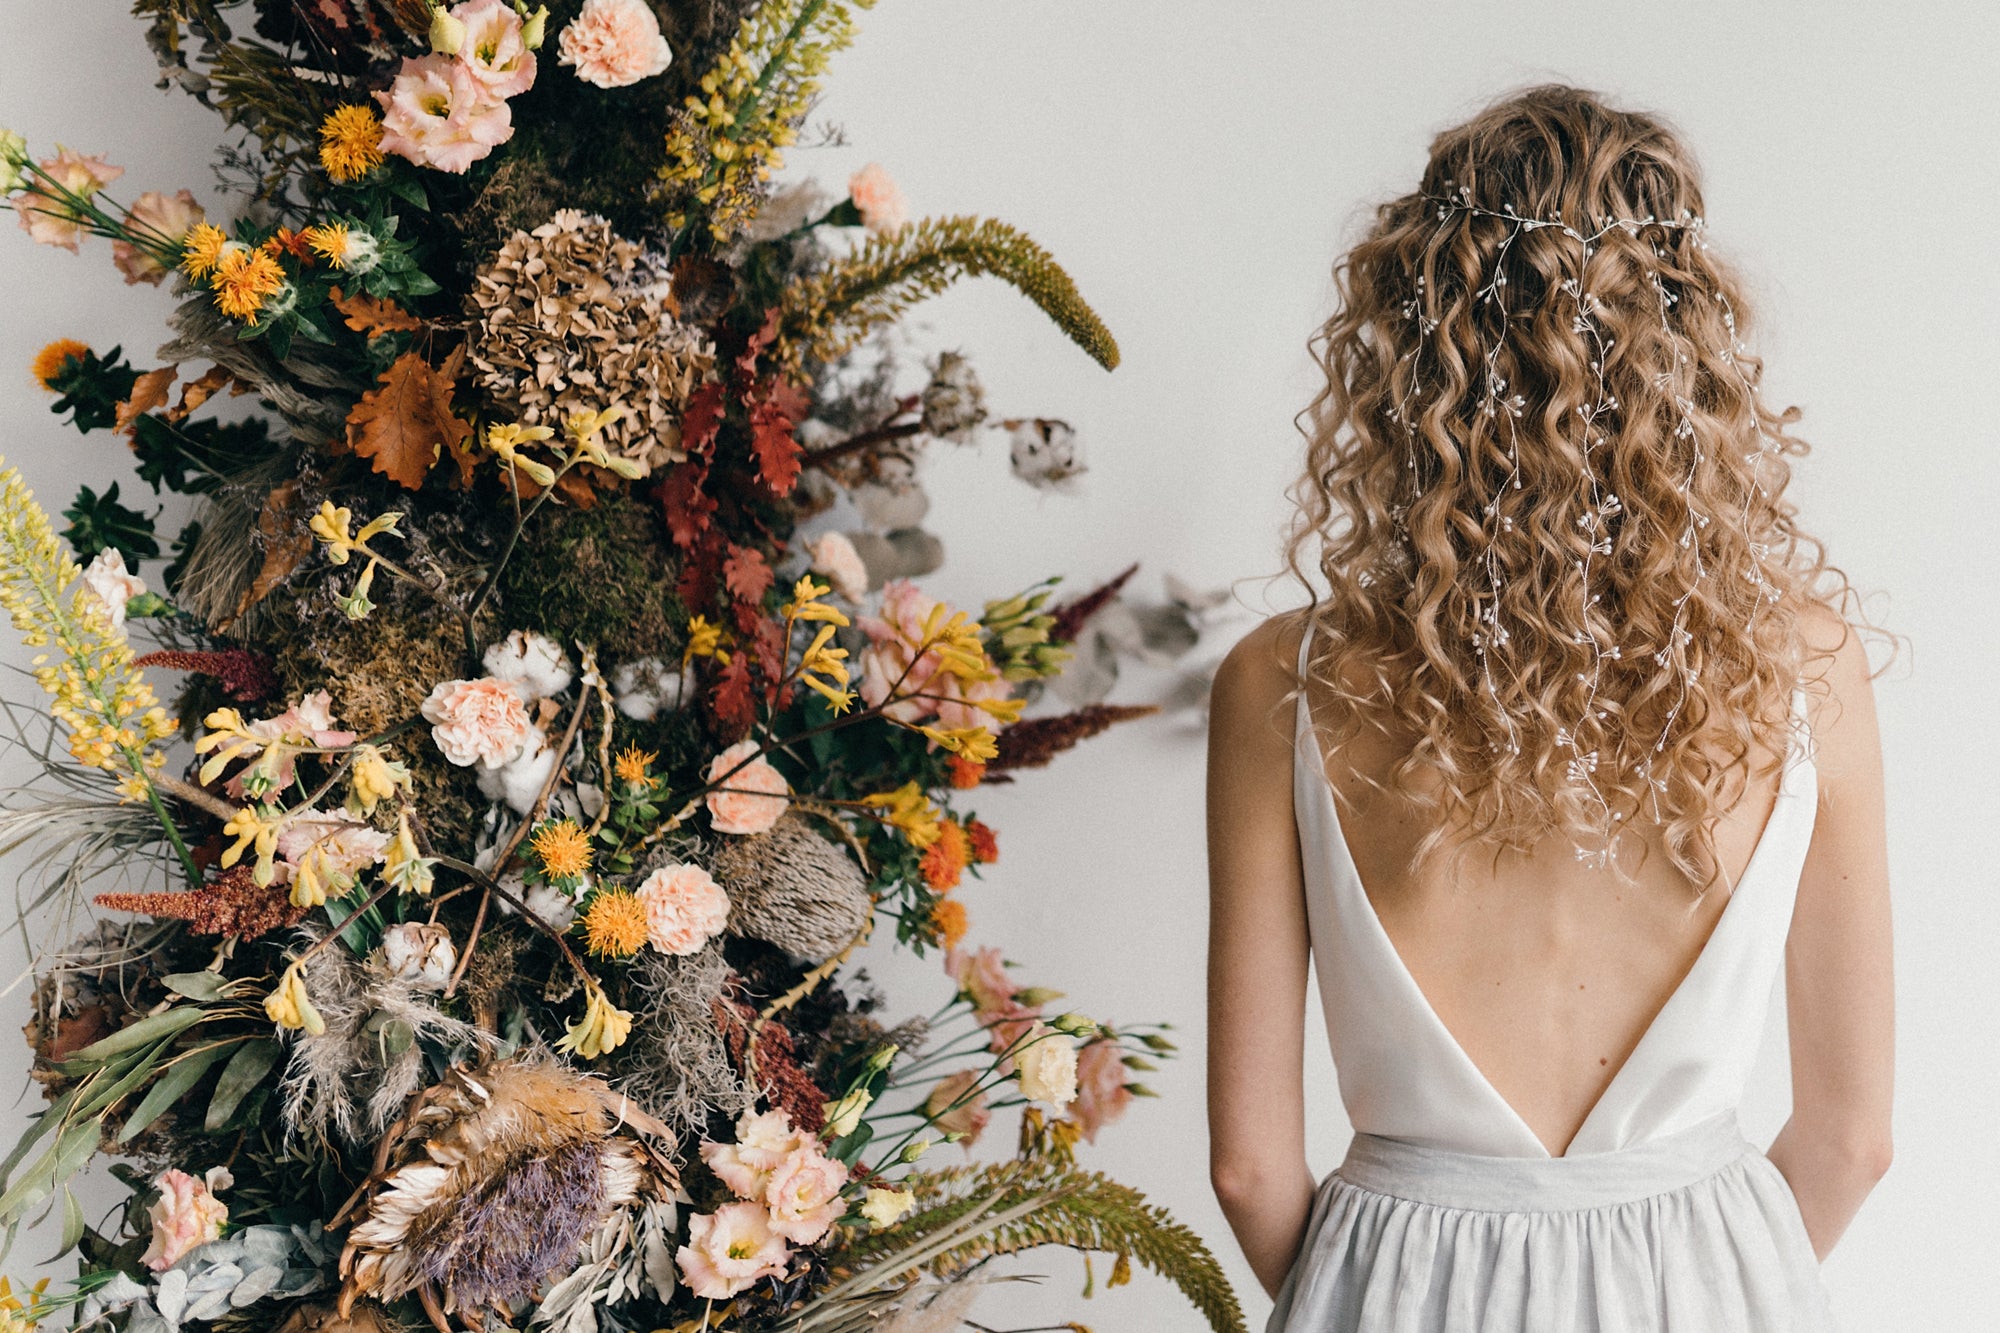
{"points": [[167, 1023], [64, 1158], [72, 1231], [203, 986], [171, 1086], [245, 1070]]}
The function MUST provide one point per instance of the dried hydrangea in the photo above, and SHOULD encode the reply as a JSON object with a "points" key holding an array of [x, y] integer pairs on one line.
{"points": [[565, 323]]}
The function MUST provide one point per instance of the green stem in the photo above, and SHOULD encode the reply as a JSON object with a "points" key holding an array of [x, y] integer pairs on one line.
{"points": [[138, 762]]}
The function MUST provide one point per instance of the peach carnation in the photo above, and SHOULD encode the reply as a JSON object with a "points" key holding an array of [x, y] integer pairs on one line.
{"points": [[494, 48], [170, 217], [438, 114], [729, 1249], [878, 199], [1101, 1094], [685, 908], [478, 722], [804, 1194], [612, 43], [50, 220], [750, 798], [187, 1215]]}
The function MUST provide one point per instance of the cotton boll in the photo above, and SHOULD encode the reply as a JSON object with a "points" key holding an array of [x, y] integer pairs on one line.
{"points": [[420, 954], [1045, 453], [552, 905], [532, 663], [645, 687], [520, 782]]}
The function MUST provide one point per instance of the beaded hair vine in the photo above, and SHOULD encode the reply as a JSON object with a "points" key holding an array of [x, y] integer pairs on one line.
{"points": [[1603, 503]]}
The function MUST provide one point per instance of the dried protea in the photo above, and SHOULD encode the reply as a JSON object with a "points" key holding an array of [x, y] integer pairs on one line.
{"points": [[491, 1184], [794, 888], [566, 326]]}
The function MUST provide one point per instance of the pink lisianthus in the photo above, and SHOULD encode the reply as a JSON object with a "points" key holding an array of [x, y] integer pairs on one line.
{"points": [[891, 656], [803, 1194], [186, 1216], [50, 219], [478, 722], [983, 976], [1101, 1094], [763, 1141], [310, 718], [612, 43], [438, 114], [878, 199], [750, 798], [729, 1249], [342, 847], [169, 217], [968, 1117], [685, 908], [494, 48]]}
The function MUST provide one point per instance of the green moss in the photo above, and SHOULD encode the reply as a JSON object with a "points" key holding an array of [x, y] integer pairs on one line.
{"points": [[602, 576]]}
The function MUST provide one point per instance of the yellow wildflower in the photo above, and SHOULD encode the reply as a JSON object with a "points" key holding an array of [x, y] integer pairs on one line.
{"points": [[564, 849], [333, 526], [253, 830], [290, 1007], [634, 766], [48, 366], [403, 864], [374, 778], [908, 809], [974, 743], [614, 925], [584, 428], [806, 603], [243, 280], [819, 660], [329, 241], [17, 1315], [602, 1028], [350, 143], [705, 640], [202, 250], [506, 439]]}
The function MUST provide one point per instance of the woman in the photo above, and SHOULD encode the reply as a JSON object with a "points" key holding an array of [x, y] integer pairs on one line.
{"points": [[1576, 753]]}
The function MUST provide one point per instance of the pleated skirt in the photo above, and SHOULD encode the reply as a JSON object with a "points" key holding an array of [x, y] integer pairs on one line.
{"points": [[1696, 1232]]}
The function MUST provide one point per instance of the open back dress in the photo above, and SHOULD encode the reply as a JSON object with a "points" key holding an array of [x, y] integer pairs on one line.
{"points": [[1449, 1215]]}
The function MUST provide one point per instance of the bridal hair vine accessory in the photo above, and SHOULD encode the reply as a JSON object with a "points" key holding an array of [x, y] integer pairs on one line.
{"points": [[1596, 417]]}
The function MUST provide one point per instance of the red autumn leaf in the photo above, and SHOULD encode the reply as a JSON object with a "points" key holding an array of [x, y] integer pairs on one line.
{"points": [[700, 419], [746, 575], [687, 505], [701, 570], [771, 439], [746, 360], [402, 426], [148, 392], [731, 699]]}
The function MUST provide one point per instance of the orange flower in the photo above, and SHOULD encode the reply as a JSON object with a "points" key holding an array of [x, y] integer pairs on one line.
{"points": [[51, 361], [288, 242], [944, 861], [350, 143], [203, 249], [614, 926], [983, 846], [948, 919], [243, 280], [965, 773]]}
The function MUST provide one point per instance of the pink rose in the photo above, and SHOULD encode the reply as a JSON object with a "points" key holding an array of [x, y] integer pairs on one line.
{"points": [[968, 1117], [614, 42], [1101, 1094], [890, 657], [804, 1195], [729, 1249], [170, 217], [751, 798], [187, 1215], [685, 908], [494, 49], [48, 218], [437, 114], [478, 722], [877, 198], [762, 1142]]}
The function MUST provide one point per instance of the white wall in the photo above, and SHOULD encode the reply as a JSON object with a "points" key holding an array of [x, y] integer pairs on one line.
{"points": [[1196, 167]]}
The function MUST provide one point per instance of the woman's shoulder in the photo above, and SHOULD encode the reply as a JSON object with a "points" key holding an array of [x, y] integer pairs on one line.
{"points": [[1255, 679]]}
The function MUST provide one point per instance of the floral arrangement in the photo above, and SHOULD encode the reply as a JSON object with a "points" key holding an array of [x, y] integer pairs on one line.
{"points": [[456, 831]]}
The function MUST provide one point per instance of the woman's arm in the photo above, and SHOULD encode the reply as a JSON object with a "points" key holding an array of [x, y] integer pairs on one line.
{"points": [[1257, 956], [1838, 987]]}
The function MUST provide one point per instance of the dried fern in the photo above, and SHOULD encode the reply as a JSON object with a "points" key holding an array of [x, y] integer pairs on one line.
{"points": [[966, 1215], [826, 315]]}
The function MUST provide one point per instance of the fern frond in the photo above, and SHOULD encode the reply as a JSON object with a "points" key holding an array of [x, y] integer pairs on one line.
{"points": [[828, 314]]}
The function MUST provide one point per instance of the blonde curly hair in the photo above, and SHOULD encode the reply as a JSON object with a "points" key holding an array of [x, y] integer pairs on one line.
{"points": [[1564, 663]]}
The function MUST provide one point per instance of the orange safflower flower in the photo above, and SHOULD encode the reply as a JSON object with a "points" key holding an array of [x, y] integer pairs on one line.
{"points": [[944, 861], [50, 362], [243, 280], [981, 843], [614, 926], [350, 143], [949, 919], [964, 773]]}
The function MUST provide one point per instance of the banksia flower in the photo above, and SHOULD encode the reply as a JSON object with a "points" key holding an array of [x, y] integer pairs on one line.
{"points": [[111, 712]]}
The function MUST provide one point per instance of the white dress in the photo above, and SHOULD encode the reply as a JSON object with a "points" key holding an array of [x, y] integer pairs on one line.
{"points": [[1450, 1216]]}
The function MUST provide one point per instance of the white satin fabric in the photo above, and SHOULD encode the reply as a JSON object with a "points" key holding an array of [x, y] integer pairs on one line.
{"points": [[1450, 1214]]}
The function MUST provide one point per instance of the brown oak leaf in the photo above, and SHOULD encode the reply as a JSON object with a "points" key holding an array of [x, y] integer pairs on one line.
{"points": [[401, 427], [374, 315], [198, 391], [286, 539], [148, 392]]}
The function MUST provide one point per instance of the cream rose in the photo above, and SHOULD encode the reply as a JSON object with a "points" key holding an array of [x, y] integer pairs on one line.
{"points": [[751, 798], [478, 722], [685, 908]]}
